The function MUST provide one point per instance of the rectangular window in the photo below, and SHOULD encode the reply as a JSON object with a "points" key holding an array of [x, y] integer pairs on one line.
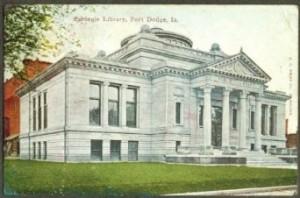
{"points": [[96, 150], [178, 112], [177, 145], [131, 107], [201, 115], [34, 150], [113, 106], [45, 111], [39, 150], [39, 113], [45, 150], [133, 150], [252, 147], [273, 117], [252, 119], [234, 118], [94, 104], [263, 119], [34, 114], [115, 150]]}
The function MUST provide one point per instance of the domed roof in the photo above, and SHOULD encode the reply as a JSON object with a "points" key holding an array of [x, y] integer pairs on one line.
{"points": [[215, 47], [168, 36]]}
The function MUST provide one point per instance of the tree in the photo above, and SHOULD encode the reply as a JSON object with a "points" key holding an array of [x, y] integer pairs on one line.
{"points": [[33, 30]]}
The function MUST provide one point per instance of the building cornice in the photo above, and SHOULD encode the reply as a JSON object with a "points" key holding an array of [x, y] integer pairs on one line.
{"points": [[277, 95], [123, 69]]}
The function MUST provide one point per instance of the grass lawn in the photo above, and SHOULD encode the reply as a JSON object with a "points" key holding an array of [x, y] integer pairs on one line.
{"points": [[141, 179]]}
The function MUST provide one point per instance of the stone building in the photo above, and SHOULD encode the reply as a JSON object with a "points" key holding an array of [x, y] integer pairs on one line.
{"points": [[154, 96]]}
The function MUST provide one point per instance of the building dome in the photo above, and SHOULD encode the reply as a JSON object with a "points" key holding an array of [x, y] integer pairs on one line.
{"points": [[168, 36], [215, 47]]}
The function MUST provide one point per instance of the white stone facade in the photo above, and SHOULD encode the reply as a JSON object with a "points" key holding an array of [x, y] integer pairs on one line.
{"points": [[172, 81]]}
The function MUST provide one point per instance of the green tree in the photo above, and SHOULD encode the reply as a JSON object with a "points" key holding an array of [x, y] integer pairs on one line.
{"points": [[34, 30]]}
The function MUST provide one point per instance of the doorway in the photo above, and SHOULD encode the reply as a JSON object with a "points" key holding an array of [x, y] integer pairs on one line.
{"points": [[216, 127]]}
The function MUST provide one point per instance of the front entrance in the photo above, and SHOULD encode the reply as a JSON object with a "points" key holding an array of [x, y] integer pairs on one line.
{"points": [[216, 127]]}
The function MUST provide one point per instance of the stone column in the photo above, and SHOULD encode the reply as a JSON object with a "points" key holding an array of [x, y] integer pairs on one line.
{"points": [[207, 116], [258, 124], [225, 118], [123, 105], [243, 119], [104, 111]]}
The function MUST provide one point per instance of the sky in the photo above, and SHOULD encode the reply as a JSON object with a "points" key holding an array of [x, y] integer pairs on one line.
{"points": [[268, 34]]}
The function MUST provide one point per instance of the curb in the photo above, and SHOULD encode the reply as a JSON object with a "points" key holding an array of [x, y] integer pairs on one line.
{"points": [[236, 191]]}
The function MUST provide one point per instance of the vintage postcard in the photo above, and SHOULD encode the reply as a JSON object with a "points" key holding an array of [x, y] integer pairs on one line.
{"points": [[150, 100]]}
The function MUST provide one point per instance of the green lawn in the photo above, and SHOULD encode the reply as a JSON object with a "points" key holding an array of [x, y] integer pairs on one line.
{"points": [[141, 179]]}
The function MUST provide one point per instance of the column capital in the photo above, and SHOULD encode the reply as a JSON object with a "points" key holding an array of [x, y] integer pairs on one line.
{"points": [[208, 88], [244, 94], [124, 86], [105, 83], [226, 91]]}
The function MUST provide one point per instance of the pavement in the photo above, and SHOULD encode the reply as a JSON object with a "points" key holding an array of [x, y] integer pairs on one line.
{"points": [[262, 191]]}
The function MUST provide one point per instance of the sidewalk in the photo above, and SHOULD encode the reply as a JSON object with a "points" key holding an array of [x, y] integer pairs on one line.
{"points": [[263, 191]]}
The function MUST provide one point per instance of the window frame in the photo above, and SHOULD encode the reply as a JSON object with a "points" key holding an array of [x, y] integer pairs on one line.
{"points": [[134, 103], [39, 112], [45, 112], [234, 118], [178, 115], [98, 99], [34, 112], [117, 102], [200, 115]]}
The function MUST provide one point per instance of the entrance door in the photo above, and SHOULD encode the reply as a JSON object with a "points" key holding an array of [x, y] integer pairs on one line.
{"points": [[133, 150], [216, 127], [115, 150]]}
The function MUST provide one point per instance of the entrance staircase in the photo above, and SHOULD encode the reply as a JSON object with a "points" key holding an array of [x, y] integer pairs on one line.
{"points": [[263, 159]]}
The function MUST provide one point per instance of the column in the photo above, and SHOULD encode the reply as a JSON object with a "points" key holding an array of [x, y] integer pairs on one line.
{"points": [[243, 120], [258, 124], [207, 115], [104, 111], [123, 105], [225, 118]]}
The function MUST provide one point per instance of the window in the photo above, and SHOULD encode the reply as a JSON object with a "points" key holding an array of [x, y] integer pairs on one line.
{"points": [[34, 114], [273, 117], [115, 150], [96, 149], [252, 119], [34, 150], [177, 145], [234, 118], [39, 150], [133, 150], [45, 111], [113, 106], [178, 112], [94, 104], [252, 147], [263, 119], [201, 115], [45, 150], [39, 113], [131, 107]]}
